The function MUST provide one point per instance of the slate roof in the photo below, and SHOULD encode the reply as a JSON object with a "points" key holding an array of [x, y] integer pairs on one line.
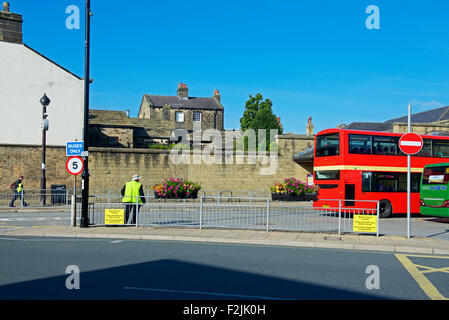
{"points": [[370, 126], [177, 103], [433, 115]]}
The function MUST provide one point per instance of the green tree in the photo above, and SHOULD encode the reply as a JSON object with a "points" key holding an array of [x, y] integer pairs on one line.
{"points": [[265, 120], [258, 115], [252, 106]]}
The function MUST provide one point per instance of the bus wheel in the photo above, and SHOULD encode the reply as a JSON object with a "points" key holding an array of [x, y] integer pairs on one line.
{"points": [[385, 209]]}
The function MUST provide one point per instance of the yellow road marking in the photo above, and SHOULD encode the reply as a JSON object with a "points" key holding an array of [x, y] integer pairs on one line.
{"points": [[427, 286], [431, 269]]}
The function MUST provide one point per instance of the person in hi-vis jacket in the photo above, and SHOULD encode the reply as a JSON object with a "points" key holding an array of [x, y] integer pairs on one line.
{"points": [[18, 192], [133, 196]]}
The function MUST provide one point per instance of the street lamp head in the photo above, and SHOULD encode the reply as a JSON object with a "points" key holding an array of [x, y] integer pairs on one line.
{"points": [[45, 101]]}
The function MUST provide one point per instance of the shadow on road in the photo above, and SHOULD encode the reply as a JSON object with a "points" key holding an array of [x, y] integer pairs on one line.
{"points": [[174, 280]]}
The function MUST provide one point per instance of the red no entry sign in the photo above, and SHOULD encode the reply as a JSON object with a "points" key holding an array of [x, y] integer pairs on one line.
{"points": [[410, 143]]}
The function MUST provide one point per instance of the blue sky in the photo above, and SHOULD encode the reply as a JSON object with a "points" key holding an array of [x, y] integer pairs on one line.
{"points": [[311, 58]]}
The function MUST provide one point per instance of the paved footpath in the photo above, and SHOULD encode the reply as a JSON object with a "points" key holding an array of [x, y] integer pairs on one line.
{"points": [[273, 238]]}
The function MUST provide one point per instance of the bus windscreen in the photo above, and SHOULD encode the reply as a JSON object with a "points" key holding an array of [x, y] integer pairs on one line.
{"points": [[436, 175], [327, 145]]}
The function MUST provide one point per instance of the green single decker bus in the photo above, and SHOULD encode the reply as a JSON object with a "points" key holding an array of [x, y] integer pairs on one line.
{"points": [[434, 193]]}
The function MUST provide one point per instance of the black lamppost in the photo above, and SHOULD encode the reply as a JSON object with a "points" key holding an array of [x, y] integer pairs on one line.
{"points": [[84, 223], [44, 102]]}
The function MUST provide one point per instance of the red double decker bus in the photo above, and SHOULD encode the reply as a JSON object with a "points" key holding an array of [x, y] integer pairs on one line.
{"points": [[367, 165]]}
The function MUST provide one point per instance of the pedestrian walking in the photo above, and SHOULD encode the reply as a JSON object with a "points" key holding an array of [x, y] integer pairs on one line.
{"points": [[133, 196], [17, 186]]}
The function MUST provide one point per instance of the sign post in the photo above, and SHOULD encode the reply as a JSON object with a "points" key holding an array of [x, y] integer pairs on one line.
{"points": [[74, 166], [410, 143]]}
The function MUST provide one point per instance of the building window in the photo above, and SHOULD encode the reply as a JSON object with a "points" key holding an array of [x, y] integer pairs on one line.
{"points": [[179, 116], [138, 142], [197, 117], [112, 141]]}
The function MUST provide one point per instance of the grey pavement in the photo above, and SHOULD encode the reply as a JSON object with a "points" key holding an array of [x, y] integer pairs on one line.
{"points": [[364, 242]]}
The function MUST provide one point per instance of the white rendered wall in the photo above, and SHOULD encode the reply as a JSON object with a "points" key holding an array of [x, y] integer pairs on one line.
{"points": [[24, 78]]}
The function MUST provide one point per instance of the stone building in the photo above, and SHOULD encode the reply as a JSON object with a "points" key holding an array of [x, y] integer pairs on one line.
{"points": [[158, 119], [183, 111], [115, 129]]}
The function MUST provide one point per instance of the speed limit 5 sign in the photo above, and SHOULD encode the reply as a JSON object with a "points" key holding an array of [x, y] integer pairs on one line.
{"points": [[74, 165]]}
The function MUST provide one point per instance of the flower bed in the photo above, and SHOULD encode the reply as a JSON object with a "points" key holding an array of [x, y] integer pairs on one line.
{"points": [[176, 188], [292, 189]]}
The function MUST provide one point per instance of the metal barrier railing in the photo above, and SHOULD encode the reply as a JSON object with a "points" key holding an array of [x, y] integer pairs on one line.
{"points": [[346, 213], [263, 214], [35, 200], [32, 198]]}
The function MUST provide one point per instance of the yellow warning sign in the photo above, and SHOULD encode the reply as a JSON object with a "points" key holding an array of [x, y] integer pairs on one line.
{"points": [[114, 216], [364, 223]]}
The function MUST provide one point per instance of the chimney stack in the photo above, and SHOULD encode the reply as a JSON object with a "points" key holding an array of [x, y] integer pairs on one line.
{"points": [[10, 25], [217, 95], [183, 91], [309, 127]]}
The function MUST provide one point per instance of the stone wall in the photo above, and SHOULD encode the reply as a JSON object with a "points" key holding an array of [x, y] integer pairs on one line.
{"points": [[110, 168], [26, 160], [421, 128]]}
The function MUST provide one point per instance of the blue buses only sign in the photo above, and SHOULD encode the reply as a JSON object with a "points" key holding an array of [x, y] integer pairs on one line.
{"points": [[74, 148]]}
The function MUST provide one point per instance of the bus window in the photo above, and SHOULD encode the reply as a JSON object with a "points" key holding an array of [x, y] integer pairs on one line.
{"points": [[414, 183], [440, 149], [416, 180], [402, 183], [367, 181], [385, 182], [385, 145], [436, 175], [327, 175], [426, 150], [328, 145], [389, 182], [360, 144]]}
